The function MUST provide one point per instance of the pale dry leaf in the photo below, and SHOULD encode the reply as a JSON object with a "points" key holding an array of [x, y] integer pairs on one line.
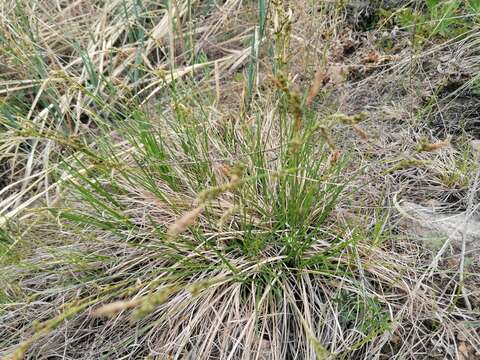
{"points": [[464, 350], [337, 74]]}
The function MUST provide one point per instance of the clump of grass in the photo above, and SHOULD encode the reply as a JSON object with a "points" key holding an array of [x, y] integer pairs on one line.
{"points": [[178, 231]]}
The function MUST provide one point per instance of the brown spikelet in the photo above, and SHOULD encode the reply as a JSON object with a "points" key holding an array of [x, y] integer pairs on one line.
{"points": [[208, 195], [280, 83], [317, 84], [334, 157], [296, 110], [184, 222], [222, 172], [115, 307], [294, 103], [225, 169], [427, 147], [360, 132]]}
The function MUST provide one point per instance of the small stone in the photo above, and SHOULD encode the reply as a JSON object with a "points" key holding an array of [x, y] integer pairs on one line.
{"points": [[476, 145], [426, 224]]}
